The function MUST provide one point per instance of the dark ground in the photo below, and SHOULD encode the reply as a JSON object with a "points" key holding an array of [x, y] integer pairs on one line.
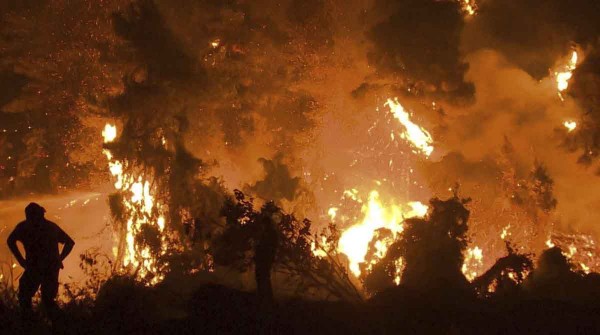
{"points": [[124, 307]]}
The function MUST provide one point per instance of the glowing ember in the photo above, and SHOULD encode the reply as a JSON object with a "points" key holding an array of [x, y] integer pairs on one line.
{"points": [[354, 242], [109, 133], [505, 232], [140, 209], [586, 269], [416, 135], [563, 77], [215, 43], [352, 194], [318, 249], [472, 263], [399, 264], [570, 125], [332, 212]]}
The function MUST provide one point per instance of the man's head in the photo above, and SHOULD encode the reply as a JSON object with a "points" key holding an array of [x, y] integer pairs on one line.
{"points": [[34, 211]]}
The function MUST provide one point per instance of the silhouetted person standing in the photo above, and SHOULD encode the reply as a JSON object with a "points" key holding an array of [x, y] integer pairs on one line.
{"points": [[264, 256], [42, 261]]}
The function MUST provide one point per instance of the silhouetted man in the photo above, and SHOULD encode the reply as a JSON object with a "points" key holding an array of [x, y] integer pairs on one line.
{"points": [[264, 256], [42, 261]]}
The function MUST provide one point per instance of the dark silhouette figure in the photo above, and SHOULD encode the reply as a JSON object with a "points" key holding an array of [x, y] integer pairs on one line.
{"points": [[264, 256], [42, 261]]}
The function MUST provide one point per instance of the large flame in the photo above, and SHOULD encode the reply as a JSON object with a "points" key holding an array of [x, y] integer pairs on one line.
{"points": [[354, 241], [416, 135], [141, 208], [566, 73]]}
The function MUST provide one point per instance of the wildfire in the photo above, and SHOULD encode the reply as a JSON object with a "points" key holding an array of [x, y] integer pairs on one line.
{"points": [[354, 242], [141, 208], [416, 135], [563, 77]]}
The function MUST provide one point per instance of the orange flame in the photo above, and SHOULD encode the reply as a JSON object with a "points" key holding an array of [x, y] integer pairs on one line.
{"points": [[141, 209], [472, 263], [563, 77], [355, 240], [416, 135]]}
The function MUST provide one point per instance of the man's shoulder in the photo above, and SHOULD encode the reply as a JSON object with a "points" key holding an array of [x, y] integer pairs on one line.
{"points": [[55, 227], [21, 225], [20, 230], [52, 224]]}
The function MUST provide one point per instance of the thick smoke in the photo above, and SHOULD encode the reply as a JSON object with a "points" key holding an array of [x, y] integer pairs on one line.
{"points": [[534, 37], [419, 42], [514, 109], [530, 35]]}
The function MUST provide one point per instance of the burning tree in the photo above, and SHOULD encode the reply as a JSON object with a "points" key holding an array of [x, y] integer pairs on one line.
{"points": [[160, 194], [429, 253], [139, 218]]}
